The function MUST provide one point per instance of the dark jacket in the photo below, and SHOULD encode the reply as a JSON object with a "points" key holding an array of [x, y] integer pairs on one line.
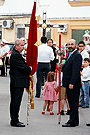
{"points": [[71, 70], [19, 70], [53, 63]]}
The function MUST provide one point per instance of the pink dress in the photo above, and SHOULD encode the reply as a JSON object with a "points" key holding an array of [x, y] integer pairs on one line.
{"points": [[49, 93]]}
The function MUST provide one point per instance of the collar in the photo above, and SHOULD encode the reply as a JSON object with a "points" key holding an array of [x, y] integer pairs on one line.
{"points": [[18, 51], [73, 51], [82, 52], [86, 67]]}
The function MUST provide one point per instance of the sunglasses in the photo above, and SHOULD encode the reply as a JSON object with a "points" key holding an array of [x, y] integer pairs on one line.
{"points": [[81, 46]]}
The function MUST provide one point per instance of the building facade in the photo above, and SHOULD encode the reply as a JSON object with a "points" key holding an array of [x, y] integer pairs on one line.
{"points": [[18, 30], [77, 3], [75, 28]]}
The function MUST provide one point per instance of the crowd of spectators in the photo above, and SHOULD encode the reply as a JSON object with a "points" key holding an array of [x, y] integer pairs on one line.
{"points": [[47, 60]]}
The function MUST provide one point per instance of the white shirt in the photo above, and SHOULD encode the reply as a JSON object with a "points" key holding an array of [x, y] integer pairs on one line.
{"points": [[57, 47], [25, 46], [6, 50], [73, 51], [1, 51], [84, 54], [88, 47], [45, 53], [71, 54], [86, 74]]}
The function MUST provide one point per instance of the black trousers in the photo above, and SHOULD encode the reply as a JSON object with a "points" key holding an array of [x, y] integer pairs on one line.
{"points": [[73, 99], [16, 97], [4, 67], [53, 65], [41, 67]]}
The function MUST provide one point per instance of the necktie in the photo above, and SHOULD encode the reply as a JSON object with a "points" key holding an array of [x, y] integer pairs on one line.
{"points": [[69, 56]]}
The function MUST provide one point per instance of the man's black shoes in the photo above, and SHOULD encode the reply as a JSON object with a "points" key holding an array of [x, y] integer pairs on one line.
{"points": [[68, 125], [88, 124], [80, 105], [37, 96], [68, 112], [85, 106], [17, 124], [21, 122]]}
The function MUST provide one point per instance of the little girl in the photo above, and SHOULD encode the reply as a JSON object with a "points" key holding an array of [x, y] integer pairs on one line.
{"points": [[49, 93]]}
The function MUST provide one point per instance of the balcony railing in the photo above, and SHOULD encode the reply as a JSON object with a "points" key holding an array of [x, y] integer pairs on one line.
{"points": [[76, 3]]}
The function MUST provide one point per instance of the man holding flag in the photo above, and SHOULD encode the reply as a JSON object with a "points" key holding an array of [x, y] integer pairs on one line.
{"points": [[32, 53], [19, 79], [20, 72]]}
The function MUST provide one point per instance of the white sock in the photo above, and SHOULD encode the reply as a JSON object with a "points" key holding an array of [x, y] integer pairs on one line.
{"points": [[43, 111]]}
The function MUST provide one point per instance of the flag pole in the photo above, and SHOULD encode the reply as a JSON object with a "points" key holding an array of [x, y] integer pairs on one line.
{"points": [[28, 108], [32, 53], [59, 116], [56, 85]]}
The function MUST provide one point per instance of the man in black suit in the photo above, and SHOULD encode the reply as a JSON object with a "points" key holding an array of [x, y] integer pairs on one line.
{"points": [[19, 79], [72, 82], [55, 61]]}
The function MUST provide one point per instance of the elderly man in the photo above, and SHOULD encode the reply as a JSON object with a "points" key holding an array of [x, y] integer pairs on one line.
{"points": [[19, 79], [72, 82]]}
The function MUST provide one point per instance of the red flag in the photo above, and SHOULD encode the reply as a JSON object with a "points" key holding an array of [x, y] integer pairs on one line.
{"points": [[32, 51]]}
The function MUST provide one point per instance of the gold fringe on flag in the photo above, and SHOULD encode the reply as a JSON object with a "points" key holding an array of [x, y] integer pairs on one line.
{"points": [[31, 93]]}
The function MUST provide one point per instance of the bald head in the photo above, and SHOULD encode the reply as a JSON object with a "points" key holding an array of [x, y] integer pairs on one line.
{"points": [[72, 40], [72, 45]]}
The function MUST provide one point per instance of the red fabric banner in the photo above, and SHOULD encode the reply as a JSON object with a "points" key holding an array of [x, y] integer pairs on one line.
{"points": [[32, 50]]}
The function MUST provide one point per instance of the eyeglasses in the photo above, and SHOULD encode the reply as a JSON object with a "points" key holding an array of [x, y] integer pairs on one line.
{"points": [[49, 42], [81, 46], [71, 44]]}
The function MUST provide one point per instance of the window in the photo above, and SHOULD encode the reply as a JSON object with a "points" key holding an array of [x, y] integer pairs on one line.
{"points": [[77, 34], [20, 31], [48, 34]]}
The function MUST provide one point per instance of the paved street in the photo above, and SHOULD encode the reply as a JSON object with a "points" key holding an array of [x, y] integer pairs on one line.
{"points": [[38, 124]]}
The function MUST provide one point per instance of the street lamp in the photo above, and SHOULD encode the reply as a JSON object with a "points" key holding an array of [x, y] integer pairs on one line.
{"points": [[2, 2]]}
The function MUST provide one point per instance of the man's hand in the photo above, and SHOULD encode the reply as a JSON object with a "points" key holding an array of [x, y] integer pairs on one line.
{"points": [[71, 86], [30, 67], [58, 65], [81, 73]]}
